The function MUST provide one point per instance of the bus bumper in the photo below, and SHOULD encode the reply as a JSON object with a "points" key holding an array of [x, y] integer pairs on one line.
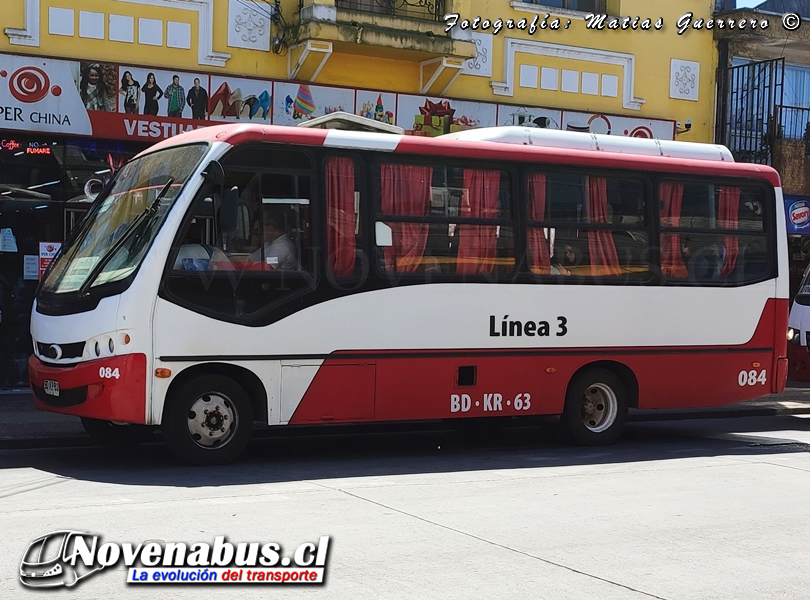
{"points": [[112, 389]]}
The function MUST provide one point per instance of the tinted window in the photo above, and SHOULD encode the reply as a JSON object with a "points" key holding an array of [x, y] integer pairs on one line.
{"points": [[713, 233], [586, 225], [444, 221]]}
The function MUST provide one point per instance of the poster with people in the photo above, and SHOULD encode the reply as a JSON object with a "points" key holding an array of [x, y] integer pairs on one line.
{"points": [[97, 85], [162, 93], [240, 99]]}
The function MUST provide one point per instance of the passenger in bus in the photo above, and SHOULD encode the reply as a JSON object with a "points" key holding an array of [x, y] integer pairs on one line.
{"points": [[703, 260], [563, 262], [278, 251]]}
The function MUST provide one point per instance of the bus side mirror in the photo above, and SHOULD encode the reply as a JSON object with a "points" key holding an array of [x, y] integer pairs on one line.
{"points": [[215, 173], [229, 210]]}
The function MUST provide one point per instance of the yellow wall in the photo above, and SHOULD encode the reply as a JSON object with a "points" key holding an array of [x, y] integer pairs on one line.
{"points": [[652, 51]]}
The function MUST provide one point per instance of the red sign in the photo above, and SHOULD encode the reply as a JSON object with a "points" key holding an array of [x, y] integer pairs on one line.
{"points": [[146, 128], [47, 250]]}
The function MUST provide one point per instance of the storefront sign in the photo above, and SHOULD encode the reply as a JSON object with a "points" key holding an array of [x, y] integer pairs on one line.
{"points": [[797, 211], [47, 251], [136, 103], [30, 267], [8, 243]]}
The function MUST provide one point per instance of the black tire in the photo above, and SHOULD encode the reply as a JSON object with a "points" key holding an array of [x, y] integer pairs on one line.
{"points": [[114, 435], [208, 421], [595, 408]]}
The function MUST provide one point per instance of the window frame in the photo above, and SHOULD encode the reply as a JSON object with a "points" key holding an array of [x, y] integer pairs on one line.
{"points": [[648, 227], [277, 307], [514, 221], [768, 232]]}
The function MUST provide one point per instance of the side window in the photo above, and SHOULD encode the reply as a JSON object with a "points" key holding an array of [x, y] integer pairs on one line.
{"points": [[586, 226], [713, 233], [271, 230], [444, 220], [344, 247], [236, 259]]}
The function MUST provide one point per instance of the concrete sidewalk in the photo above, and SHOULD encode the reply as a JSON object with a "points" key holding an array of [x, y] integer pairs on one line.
{"points": [[21, 426]]}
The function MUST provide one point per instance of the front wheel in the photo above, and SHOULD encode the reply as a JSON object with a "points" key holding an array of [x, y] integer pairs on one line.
{"points": [[595, 408], [208, 421]]}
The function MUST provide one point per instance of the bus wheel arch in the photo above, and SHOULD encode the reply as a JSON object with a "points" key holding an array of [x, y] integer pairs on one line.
{"points": [[596, 402], [208, 416], [249, 381]]}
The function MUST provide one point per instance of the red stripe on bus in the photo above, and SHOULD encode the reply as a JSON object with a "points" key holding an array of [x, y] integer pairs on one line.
{"points": [[402, 388]]}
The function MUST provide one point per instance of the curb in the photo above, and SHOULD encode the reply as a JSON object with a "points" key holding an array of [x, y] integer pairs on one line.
{"points": [[715, 413]]}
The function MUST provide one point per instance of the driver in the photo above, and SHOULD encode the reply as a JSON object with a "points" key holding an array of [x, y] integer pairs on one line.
{"points": [[278, 249]]}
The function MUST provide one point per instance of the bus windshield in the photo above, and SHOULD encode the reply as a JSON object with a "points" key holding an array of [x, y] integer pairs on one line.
{"points": [[120, 227]]}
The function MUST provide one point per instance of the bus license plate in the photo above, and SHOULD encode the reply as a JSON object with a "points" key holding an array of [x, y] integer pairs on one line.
{"points": [[51, 387]]}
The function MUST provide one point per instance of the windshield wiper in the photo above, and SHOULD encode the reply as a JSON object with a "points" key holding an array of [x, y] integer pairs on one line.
{"points": [[142, 218]]}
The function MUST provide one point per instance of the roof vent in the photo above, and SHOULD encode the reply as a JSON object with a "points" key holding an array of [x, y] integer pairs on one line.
{"points": [[552, 138]]}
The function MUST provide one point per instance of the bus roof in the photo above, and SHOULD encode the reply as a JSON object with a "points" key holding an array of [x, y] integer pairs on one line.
{"points": [[510, 144]]}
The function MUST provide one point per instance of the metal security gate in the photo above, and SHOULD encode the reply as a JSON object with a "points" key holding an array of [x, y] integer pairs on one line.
{"points": [[748, 97]]}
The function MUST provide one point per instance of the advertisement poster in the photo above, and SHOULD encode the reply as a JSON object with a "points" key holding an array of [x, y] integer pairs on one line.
{"points": [[430, 116], [47, 252], [797, 211], [240, 100], [156, 92], [380, 106], [145, 104], [30, 267], [294, 103], [613, 125], [529, 116]]}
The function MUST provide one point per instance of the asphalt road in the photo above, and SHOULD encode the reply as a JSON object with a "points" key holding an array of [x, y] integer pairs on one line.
{"points": [[677, 509]]}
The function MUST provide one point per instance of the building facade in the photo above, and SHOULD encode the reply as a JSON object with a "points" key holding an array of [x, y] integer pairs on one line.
{"points": [[82, 89]]}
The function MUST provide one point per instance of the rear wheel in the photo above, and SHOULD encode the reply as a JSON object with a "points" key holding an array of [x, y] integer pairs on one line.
{"points": [[116, 435], [595, 408], [208, 421]]}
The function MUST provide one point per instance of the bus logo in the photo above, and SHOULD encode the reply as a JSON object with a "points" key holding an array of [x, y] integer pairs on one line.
{"points": [[50, 560], [800, 213]]}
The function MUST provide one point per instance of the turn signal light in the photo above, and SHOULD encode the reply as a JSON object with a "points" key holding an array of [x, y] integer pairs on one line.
{"points": [[163, 373], [551, 370], [756, 365]]}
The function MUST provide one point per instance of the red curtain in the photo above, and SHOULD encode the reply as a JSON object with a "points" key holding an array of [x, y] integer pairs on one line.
{"points": [[672, 264], [728, 210], [604, 260], [477, 243], [539, 255], [406, 192], [341, 214]]}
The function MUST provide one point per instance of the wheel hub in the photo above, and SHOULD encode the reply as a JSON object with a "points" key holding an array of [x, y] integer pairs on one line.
{"points": [[211, 420], [599, 407]]}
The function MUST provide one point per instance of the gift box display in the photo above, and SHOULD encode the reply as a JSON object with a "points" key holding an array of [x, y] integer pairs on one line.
{"points": [[431, 124]]}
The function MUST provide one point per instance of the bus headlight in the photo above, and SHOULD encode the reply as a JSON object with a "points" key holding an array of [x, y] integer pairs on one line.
{"points": [[794, 336]]}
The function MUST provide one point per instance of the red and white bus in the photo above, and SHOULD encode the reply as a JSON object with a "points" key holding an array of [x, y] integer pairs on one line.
{"points": [[292, 276]]}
